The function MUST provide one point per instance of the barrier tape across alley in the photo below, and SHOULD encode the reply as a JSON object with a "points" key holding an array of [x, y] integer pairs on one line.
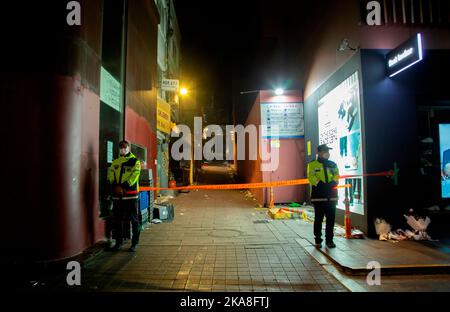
{"points": [[260, 184]]}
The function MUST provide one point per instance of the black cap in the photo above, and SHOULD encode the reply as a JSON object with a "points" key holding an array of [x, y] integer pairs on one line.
{"points": [[323, 148]]}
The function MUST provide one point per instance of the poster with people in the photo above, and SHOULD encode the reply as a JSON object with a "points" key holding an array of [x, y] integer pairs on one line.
{"points": [[340, 128], [444, 143]]}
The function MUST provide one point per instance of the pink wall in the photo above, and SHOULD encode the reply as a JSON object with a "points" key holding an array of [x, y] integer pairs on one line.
{"points": [[291, 157], [249, 170], [55, 176], [78, 225]]}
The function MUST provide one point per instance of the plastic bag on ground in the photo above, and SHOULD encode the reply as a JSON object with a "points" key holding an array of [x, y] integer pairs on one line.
{"points": [[382, 227], [418, 224]]}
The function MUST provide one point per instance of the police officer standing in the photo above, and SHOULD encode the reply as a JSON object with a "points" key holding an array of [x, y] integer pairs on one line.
{"points": [[323, 175], [124, 176]]}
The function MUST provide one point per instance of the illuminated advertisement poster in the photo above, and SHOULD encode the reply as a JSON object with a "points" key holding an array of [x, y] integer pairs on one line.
{"points": [[444, 139], [340, 128]]}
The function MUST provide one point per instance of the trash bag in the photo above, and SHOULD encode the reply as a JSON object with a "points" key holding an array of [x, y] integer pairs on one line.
{"points": [[398, 235], [382, 227], [409, 234], [419, 224]]}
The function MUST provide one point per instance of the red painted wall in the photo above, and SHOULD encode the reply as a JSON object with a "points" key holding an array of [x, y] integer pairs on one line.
{"points": [[138, 131], [53, 186], [52, 108]]}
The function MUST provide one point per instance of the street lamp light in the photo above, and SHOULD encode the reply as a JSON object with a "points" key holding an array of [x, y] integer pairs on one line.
{"points": [[183, 91]]}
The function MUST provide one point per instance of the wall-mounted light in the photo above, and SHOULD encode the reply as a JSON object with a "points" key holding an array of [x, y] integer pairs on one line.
{"points": [[279, 91]]}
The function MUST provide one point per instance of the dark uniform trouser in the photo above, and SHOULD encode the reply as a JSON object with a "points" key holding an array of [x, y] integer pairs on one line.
{"points": [[124, 210], [325, 209]]}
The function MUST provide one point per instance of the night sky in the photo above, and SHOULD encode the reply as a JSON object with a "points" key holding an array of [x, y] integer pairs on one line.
{"points": [[233, 46]]}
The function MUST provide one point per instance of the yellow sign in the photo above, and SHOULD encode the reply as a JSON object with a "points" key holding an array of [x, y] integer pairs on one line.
{"points": [[309, 148], [163, 123]]}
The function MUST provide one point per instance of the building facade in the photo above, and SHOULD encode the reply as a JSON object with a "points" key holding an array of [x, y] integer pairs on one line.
{"points": [[169, 61], [74, 91], [376, 119]]}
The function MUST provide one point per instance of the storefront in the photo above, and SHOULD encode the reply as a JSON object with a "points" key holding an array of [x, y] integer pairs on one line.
{"points": [[163, 122], [369, 111]]}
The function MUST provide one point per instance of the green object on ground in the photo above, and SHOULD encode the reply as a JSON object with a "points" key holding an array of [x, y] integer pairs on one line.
{"points": [[294, 205]]}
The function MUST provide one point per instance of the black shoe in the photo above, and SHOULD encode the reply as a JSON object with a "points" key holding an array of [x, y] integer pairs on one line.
{"points": [[318, 243], [132, 248], [117, 247], [331, 245]]}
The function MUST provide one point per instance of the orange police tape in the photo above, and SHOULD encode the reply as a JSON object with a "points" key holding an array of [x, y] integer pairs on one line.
{"points": [[261, 184]]}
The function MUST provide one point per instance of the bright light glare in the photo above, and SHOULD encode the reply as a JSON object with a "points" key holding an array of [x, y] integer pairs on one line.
{"points": [[183, 91], [279, 91]]}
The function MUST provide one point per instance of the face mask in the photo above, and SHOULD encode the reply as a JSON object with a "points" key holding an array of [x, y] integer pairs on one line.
{"points": [[324, 155], [123, 151]]}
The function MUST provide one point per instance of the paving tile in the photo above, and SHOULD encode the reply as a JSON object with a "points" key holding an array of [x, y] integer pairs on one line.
{"points": [[263, 259]]}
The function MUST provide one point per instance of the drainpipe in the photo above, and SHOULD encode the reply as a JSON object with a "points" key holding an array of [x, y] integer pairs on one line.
{"points": [[123, 65]]}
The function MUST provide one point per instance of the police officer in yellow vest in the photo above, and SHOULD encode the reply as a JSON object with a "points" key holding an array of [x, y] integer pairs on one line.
{"points": [[323, 175], [124, 176]]}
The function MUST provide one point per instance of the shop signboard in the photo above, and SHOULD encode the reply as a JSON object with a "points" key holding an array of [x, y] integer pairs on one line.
{"points": [[406, 55], [163, 116], [170, 85], [339, 115]]}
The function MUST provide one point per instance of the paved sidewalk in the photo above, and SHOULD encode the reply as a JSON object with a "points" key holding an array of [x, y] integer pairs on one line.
{"points": [[215, 243], [405, 257], [221, 241]]}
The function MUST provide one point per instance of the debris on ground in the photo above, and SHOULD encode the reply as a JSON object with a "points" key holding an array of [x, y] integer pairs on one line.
{"points": [[382, 228], [433, 208], [248, 194], [340, 231], [284, 213], [418, 224]]}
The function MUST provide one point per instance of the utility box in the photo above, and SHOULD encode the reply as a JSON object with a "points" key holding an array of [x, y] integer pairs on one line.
{"points": [[164, 212], [146, 198]]}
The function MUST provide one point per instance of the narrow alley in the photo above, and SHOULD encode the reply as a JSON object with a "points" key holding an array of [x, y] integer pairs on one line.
{"points": [[220, 240]]}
